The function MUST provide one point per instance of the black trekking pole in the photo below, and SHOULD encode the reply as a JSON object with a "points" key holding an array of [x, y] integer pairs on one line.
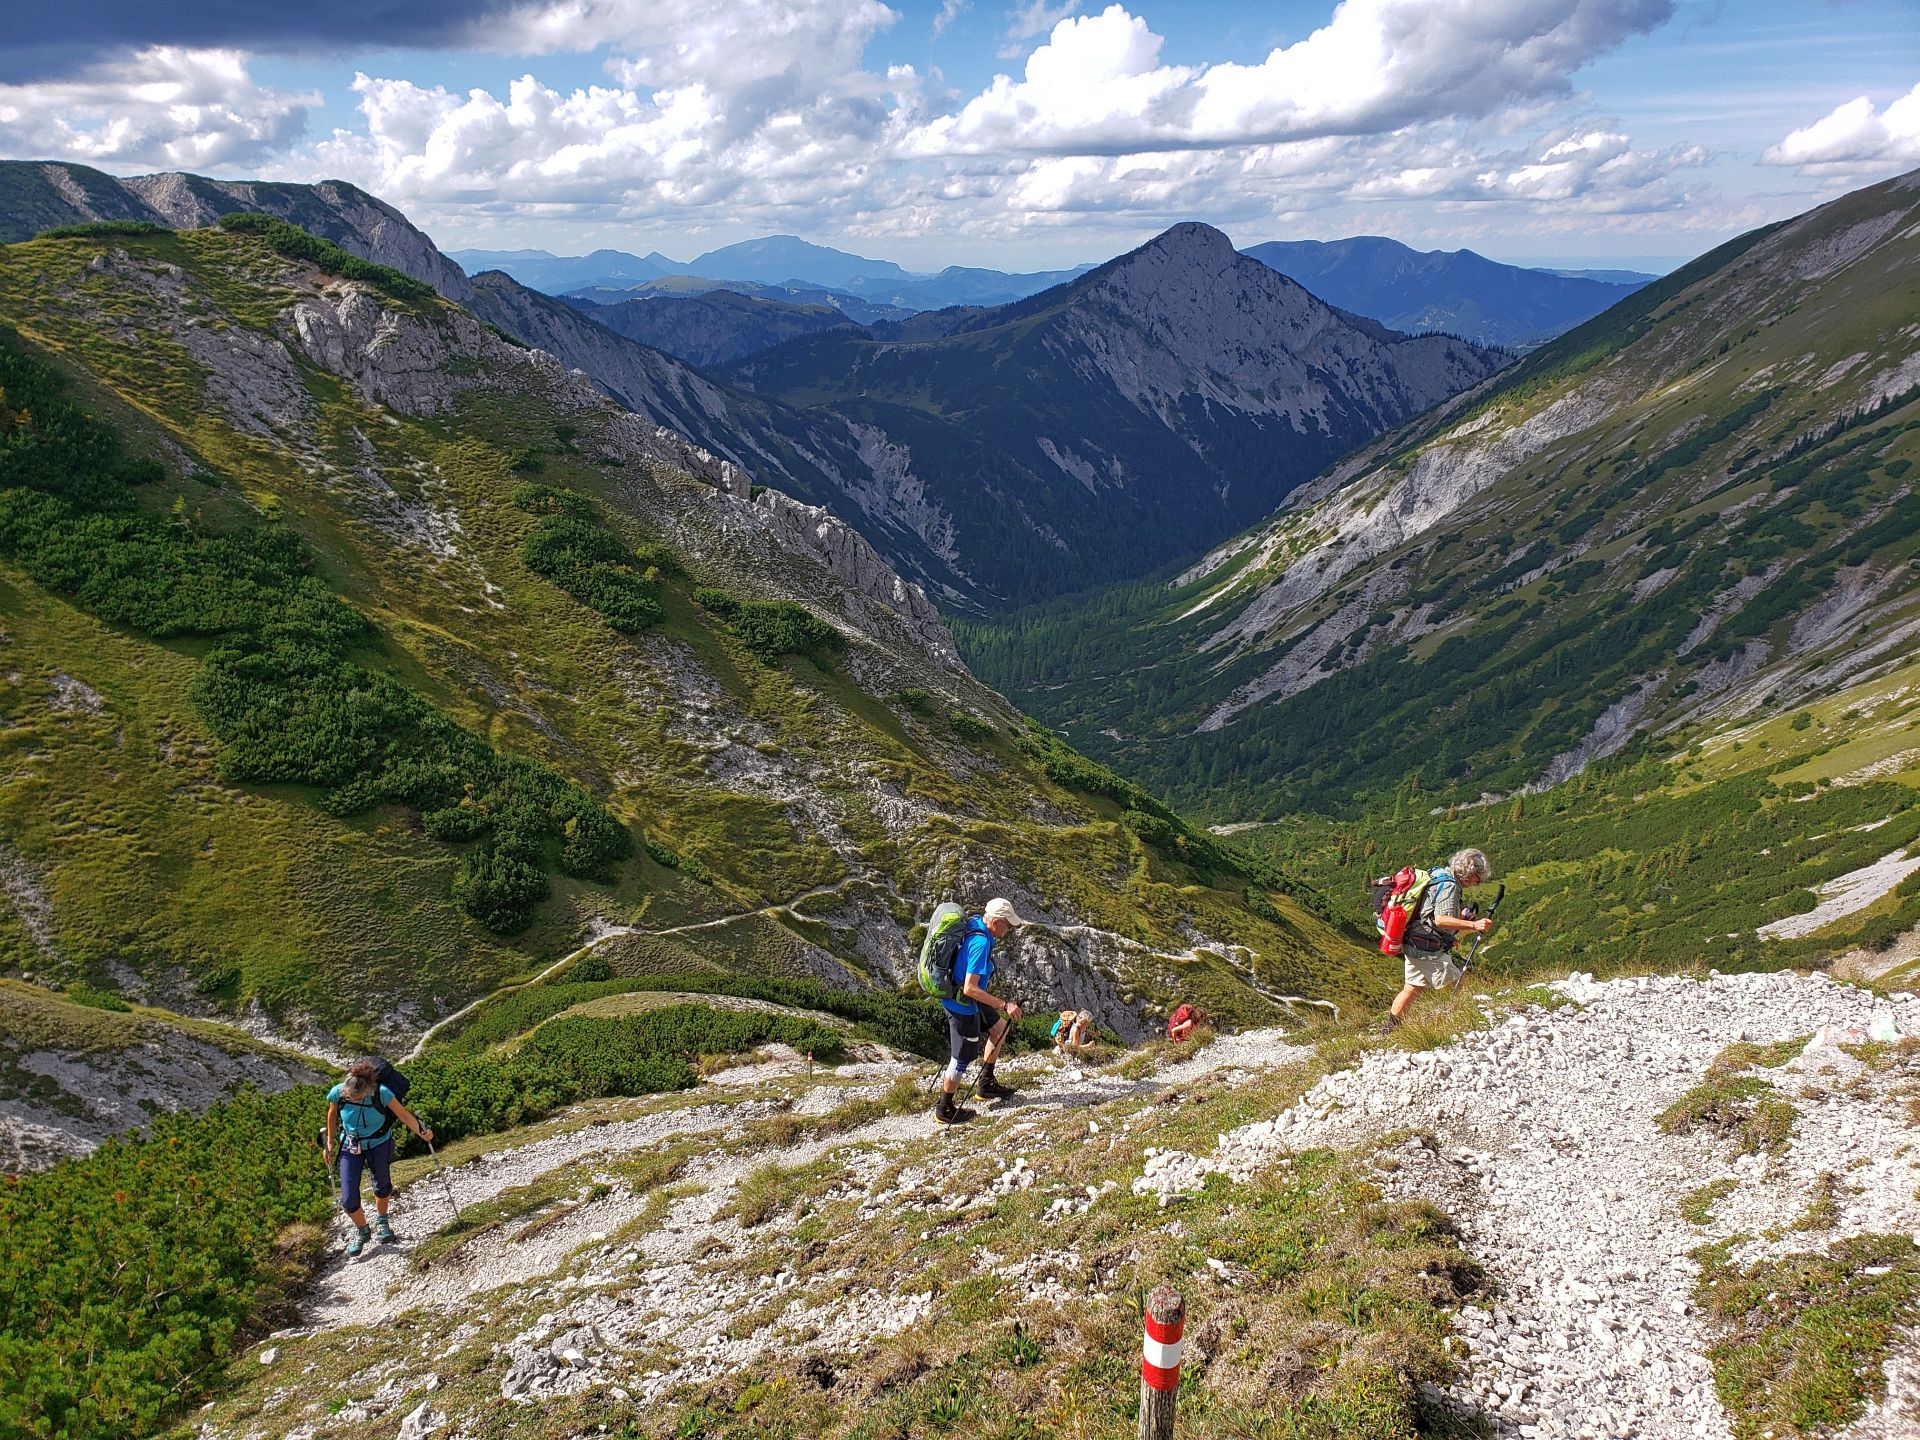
{"points": [[1474, 949]]}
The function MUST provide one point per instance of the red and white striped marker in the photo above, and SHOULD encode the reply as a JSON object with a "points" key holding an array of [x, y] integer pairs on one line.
{"points": [[1160, 1347], [1166, 1319]]}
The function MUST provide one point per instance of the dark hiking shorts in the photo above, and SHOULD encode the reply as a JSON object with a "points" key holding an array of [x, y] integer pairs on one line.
{"points": [[965, 1035]]}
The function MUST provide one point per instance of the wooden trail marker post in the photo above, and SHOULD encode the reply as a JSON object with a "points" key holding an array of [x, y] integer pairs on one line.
{"points": [[1166, 1322]]}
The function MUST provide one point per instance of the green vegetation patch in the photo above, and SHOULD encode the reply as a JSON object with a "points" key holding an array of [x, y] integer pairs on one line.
{"points": [[135, 1271], [1696, 1206], [103, 229], [1742, 1108], [279, 687], [772, 628], [1806, 1335], [579, 554], [296, 244]]}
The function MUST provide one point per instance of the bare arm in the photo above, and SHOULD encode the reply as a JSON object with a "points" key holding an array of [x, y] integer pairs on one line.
{"points": [[408, 1119], [333, 1126], [1459, 922], [972, 991]]}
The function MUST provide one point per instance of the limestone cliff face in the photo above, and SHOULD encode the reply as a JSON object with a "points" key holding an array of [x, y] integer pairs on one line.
{"points": [[1188, 318]]}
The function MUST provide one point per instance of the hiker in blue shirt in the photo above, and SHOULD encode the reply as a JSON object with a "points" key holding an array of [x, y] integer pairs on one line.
{"points": [[972, 971], [360, 1116]]}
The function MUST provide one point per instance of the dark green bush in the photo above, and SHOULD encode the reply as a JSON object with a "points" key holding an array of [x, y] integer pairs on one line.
{"points": [[82, 994], [590, 564], [537, 499], [970, 727], [296, 244], [96, 229], [277, 689], [716, 601], [772, 628]]}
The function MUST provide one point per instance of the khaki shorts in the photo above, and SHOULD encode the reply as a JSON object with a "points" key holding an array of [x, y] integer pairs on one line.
{"points": [[1434, 970]]}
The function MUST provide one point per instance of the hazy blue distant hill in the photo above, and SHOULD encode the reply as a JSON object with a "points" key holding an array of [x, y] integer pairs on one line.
{"points": [[680, 287], [715, 328], [782, 259], [558, 273], [1635, 278], [1452, 290]]}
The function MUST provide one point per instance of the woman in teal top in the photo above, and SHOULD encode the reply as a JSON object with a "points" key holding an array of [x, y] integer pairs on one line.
{"points": [[360, 1116]]}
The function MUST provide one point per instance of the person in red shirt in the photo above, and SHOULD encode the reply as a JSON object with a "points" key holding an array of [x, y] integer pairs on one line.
{"points": [[1180, 1024]]}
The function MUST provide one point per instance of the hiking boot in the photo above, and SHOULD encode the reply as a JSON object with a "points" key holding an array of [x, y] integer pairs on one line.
{"points": [[948, 1113], [1385, 1025], [359, 1241], [383, 1230], [990, 1086]]}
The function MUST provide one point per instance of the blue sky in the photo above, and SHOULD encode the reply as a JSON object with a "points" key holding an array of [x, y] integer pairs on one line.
{"points": [[1021, 135]]}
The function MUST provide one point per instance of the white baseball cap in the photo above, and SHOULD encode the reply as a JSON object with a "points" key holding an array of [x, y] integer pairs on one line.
{"points": [[999, 909]]}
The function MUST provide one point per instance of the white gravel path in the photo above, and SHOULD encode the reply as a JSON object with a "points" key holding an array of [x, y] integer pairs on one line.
{"points": [[1568, 1193]]}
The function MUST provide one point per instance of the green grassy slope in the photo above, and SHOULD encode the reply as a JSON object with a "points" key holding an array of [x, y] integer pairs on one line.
{"points": [[1697, 506], [1684, 855], [745, 784]]}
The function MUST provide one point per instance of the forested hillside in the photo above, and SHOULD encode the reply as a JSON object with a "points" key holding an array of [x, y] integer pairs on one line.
{"points": [[359, 659]]}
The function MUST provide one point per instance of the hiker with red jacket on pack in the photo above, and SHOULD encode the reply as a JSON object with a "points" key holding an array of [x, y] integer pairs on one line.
{"points": [[1180, 1024], [1435, 927]]}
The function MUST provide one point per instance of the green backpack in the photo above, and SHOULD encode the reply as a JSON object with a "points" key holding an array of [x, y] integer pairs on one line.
{"points": [[945, 931]]}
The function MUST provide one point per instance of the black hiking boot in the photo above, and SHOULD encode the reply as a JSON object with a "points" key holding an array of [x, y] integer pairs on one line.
{"points": [[990, 1086], [948, 1113]]}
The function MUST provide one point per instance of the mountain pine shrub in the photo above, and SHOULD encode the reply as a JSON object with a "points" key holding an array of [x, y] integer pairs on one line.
{"points": [[278, 689]]}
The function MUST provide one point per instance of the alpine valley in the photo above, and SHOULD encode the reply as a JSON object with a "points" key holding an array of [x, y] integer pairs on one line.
{"points": [[584, 698]]}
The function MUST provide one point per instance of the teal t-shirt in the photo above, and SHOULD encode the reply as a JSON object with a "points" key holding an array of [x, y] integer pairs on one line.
{"points": [[360, 1120]]}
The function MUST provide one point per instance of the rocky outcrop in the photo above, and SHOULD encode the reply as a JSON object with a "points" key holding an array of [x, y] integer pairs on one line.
{"points": [[65, 1086]]}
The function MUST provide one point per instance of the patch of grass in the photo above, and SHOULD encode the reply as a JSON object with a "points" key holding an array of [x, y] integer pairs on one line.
{"points": [[1696, 1206], [1804, 1337], [1741, 1108], [1746, 1109], [771, 1189], [1823, 1205]]}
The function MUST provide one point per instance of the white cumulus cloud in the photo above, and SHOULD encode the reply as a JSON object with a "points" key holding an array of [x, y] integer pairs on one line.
{"points": [[164, 106], [1855, 134], [1376, 65]]}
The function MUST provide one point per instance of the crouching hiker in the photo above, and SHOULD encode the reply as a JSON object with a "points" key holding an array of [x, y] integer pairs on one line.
{"points": [[1072, 1031], [1436, 925], [967, 1032], [360, 1116]]}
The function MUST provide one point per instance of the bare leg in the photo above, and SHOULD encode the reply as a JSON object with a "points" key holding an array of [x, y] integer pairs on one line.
{"points": [[1404, 1000], [380, 1203], [995, 1038]]}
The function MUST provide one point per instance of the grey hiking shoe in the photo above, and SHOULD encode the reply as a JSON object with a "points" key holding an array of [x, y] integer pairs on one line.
{"points": [[383, 1230], [359, 1240]]}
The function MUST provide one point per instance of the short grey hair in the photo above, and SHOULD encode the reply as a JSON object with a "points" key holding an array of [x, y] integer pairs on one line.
{"points": [[1470, 860]]}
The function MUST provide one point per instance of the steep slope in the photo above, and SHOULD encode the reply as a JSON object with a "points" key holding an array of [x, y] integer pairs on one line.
{"points": [[1699, 505], [799, 777], [1456, 291], [1537, 1253], [712, 329], [1107, 426]]}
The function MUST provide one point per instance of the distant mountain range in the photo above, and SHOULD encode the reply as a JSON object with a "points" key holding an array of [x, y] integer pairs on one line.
{"points": [[1095, 430], [1456, 291], [781, 263], [1089, 433], [716, 328]]}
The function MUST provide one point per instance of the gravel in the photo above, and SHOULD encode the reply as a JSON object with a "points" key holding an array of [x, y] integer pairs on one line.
{"points": [[1549, 1157]]}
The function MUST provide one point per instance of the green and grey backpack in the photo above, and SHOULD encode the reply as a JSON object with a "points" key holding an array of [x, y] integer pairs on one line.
{"points": [[945, 931]]}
